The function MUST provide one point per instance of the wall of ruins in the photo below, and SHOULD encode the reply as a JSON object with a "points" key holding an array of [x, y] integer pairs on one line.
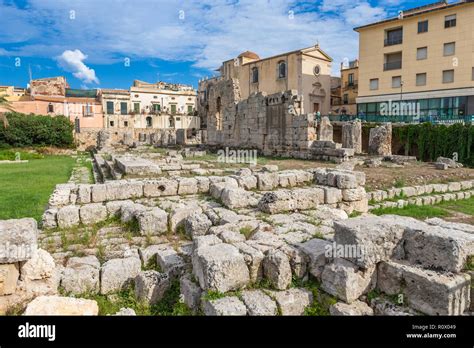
{"points": [[272, 123]]}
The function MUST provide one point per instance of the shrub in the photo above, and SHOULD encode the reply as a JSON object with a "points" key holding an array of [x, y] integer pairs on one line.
{"points": [[35, 130]]}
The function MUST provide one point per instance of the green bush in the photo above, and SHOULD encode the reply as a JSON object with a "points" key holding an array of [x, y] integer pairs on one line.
{"points": [[35, 130], [428, 141]]}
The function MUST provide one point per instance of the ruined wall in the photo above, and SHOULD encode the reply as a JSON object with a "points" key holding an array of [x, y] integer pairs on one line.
{"points": [[272, 123]]}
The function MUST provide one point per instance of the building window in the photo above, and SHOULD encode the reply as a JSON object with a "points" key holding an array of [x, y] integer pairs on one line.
{"points": [[351, 79], [125, 123], [136, 108], [136, 95], [393, 37], [178, 119], [422, 53], [345, 98], [422, 27], [50, 107], [448, 76], [281, 69], [393, 61], [421, 79], [190, 109], [374, 84], [173, 109], [450, 21], [219, 125], [396, 81], [111, 123], [149, 122], [155, 97], [472, 74], [255, 75], [449, 49], [123, 108], [156, 107], [110, 107], [87, 110]]}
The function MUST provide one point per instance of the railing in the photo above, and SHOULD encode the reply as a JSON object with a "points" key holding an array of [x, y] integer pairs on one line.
{"points": [[392, 65], [402, 119], [397, 40], [353, 84]]}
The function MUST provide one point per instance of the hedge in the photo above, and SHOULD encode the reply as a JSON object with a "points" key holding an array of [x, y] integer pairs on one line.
{"points": [[35, 130], [428, 141]]}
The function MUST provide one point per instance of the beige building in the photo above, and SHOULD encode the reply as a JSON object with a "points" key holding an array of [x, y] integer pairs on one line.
{"points": [[344, 95], [117, 107], [424, 57], [308, 71], [163, 105]]}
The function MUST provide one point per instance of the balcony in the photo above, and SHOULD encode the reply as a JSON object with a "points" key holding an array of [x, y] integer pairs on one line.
{"points": [[351, 85], [393, 40], [392, 65]]}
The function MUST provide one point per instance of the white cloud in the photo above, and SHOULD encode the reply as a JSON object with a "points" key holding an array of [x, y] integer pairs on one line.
{"points": [[212, 30], [72, 61]]}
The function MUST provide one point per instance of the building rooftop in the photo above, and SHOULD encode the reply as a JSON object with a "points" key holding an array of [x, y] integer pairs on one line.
{"points": [[249, 54], [416, 11]]}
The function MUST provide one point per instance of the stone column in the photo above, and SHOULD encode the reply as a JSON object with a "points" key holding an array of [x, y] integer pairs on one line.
{"points": [[352, 136], [325, 130], [380, 140]]}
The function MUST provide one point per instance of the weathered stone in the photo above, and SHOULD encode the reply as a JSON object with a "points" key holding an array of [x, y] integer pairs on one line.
{"points": [[125, 312], [130, 211], [267, 181], [220, 267], [187, 186], [18, 240], [151, 286], [191, 292], [150, 252], [332, 195], [346, 281], [352, 136], [293, 301], [352, 195], [277, 269], [81, 275], [427, 291], [197, 225], [68, 216], [40, 266], [438, 248], [48, 220], [325, 131], [380, 140], [9, 276], [161, 187], [93, 213], [254, 259], [116, 274], [153, 221], [170, 262], [237, 198], [315, 251], [355, 308], [84, 194], [372, 239], [225, 306], [56, 305], [258, 303], [177, 216], [114, 208]]}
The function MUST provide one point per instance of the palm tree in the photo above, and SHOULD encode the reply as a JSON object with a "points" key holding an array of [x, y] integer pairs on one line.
{"points": [[4, 104]]}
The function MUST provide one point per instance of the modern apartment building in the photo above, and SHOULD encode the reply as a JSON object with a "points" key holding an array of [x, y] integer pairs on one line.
{"points": [[425, 56]]}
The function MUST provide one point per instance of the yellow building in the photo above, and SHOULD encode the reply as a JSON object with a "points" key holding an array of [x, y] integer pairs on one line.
{"points": [[307, 71], [345, 104], [424, 57]]}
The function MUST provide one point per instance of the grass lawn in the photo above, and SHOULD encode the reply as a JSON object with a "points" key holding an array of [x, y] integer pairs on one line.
{"points": [[26, 187], [442, 210]]}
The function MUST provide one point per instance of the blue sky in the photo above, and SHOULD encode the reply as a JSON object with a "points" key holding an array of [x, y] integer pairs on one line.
{"points": [[109, 43]]}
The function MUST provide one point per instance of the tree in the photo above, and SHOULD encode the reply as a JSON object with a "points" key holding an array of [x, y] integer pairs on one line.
{"points": [[4, 104]]}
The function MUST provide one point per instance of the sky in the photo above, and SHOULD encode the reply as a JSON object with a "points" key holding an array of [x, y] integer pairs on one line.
{"points": [[109, 43]]}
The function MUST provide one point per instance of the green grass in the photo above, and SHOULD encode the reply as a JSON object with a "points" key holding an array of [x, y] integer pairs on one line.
{"points": [[417, 212], [10, 155], [462, 206], [443, 209], [26, 187]]}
